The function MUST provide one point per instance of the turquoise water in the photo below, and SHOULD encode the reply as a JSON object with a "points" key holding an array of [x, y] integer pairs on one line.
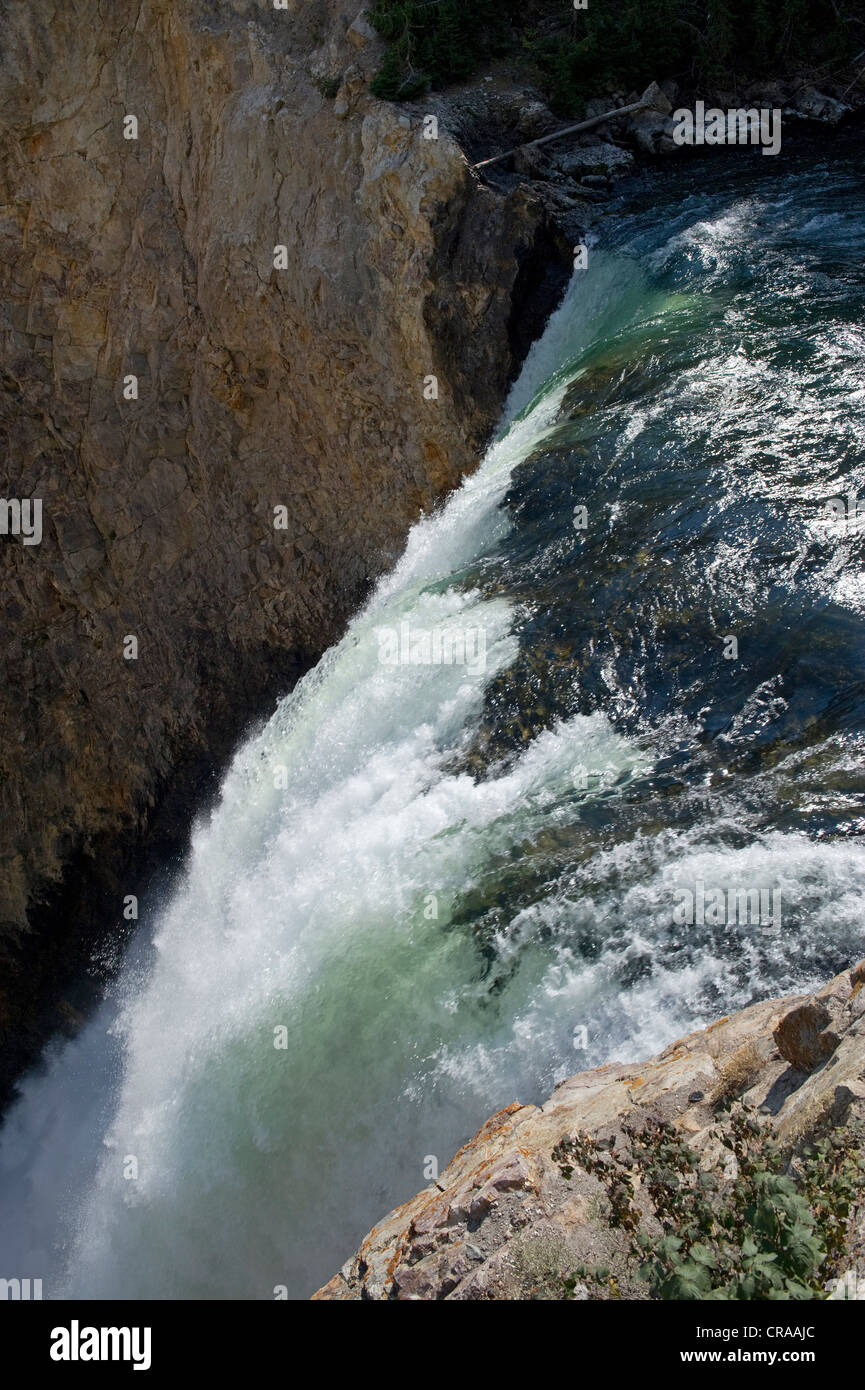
{"points": [[431, 889]]}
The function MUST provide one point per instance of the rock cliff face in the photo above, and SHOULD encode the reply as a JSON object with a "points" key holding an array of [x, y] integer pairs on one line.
{"points": [[507, 1219], [145, 249]]}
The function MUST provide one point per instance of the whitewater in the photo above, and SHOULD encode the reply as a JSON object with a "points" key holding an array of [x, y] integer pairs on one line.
{"points": [[429, 889]]}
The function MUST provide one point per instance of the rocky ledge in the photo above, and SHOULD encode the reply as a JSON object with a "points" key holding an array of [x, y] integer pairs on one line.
{"points": [[598, 1193]]}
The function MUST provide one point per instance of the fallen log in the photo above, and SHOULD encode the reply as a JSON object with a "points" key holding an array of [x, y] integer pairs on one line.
{"points": [[642, 105]]}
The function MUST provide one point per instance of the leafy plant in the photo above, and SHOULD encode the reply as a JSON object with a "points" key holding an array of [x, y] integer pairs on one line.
{"points": [[773, 1232]]}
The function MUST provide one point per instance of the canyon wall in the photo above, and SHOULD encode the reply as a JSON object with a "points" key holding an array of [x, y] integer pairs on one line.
{"points": [[145, 249]]}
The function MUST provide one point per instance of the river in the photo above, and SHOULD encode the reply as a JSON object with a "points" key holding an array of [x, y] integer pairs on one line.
{"points": [[431, 887]]}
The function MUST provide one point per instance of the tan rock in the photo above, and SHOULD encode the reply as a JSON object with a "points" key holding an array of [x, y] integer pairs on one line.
{"points": [[804, 1036], [656, 99], [528, 1224], [361, 32]]}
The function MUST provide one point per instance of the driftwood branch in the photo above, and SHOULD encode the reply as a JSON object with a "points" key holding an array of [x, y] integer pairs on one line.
{"points": [[641, 105]]}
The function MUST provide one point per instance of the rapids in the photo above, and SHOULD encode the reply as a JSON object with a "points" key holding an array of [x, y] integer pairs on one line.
{"points": [[432, 887]]}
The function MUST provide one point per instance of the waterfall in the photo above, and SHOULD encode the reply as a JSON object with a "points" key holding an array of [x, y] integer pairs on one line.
{"points": [[443, 875]]}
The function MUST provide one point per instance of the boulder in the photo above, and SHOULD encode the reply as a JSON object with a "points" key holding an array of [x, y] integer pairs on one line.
{"points": [[810, 1033], [361, 31], [598, 106], [819, 107], [653, 132], [606, 159], [656, 99], [534, 118], [804, 1037], [533, 163]]}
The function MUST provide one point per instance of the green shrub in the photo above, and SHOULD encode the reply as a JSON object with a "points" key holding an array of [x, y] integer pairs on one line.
{"points": [[632, 42], [622, 44], [434, 42], [767, 1234], [328, 86]]}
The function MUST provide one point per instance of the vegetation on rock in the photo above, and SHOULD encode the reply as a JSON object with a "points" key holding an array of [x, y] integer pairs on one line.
{"points": [[434, 42], [623, 44], [776, 1230]]}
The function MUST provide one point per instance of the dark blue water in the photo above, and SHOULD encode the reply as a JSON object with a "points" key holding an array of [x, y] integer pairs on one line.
{"points": [[446, 886]]}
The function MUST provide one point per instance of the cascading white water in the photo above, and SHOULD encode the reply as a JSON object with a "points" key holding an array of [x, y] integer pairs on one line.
{"points": [[306, 906], [314, 1020]]}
